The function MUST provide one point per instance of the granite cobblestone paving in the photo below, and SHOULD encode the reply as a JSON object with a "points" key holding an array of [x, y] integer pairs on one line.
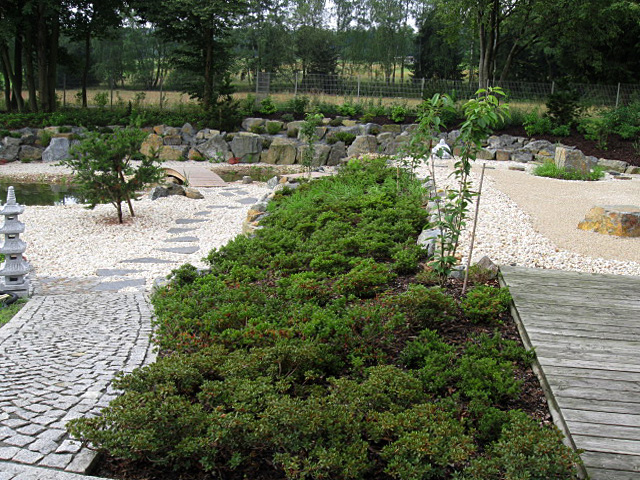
{"points": [[58, 356]]}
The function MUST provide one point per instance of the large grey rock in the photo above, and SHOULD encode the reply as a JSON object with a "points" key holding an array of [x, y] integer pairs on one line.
{"points": [[215, 148], [9, 153], [173, 152], [370, 129], [320, 154], [362, 145], [337, 153], [427, 240], [167, 190], [386, 144], [632, 170], [249, 123], [29, 153], [187, 129], [293, 128], [486, 154], [283, 151], [191, 192], [57, 150], [613, 165], [205, 134], [319, 134], [541, 147], [522, 157], [247, 147], [11, 142], [574, 160]]}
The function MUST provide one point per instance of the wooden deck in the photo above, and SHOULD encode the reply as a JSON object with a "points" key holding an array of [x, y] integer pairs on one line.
{"points": [[586, 332], [196, 176]]}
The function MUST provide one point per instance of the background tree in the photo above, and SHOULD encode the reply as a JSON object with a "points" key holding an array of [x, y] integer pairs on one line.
{"points": [[435, 56]]}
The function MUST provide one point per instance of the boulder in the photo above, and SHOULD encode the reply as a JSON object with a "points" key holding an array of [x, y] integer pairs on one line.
{"points": [[362, 145], [575, 160], [9, 153], [631, 170], [503, 155], [187, 129], [153, 143], [487, 264], [205, 134], [613, 165], [392, 128], [215, 148], [57, 150], [247, 147], [427, 240], [195, 155], [282, 151], [273, 124], [618, 220], [370, 129], [486, 154], [320, 133], [159, 129], [386, 144], [249, 123], [320, 155], [173, 153], [349, 123], [11, 142], [540, 146], [337, 153], [522, 157], [172, 139], [172, 131], [293, 128], [190, 192], [166, 190], [29, 153]]}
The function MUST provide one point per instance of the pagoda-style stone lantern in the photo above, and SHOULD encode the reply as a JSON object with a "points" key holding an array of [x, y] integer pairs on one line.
{"points": [[15, 267]]}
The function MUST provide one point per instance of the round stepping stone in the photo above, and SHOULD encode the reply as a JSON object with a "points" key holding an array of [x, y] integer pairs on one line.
{"points": [[187, 221], [247, 201], [147, 260], [180, 230], [114, 272], [182, 239], [227, 194], [183, 250], [241, 192]]}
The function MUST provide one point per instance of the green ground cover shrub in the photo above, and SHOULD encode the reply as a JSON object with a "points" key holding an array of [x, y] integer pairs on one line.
{"points": [[551, 170], [303, 354]]}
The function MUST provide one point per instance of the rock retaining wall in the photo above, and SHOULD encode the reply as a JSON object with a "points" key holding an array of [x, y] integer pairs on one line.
{"points": [[280, 143]]}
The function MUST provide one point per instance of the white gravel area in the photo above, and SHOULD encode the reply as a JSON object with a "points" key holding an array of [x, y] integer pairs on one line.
{"points": [[506, 234], [72, 241]]}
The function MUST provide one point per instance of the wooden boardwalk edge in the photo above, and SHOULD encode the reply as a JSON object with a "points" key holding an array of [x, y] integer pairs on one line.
{"points": [[554, 408]]}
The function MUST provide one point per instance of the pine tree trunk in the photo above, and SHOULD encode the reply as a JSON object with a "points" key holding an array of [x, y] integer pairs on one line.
{"points": [[85, 69]]}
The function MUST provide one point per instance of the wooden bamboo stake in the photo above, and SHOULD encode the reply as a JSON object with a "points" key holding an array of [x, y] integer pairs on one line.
{"points": [[473, 231]]}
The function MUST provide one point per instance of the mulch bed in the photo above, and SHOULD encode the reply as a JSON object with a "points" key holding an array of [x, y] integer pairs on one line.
{"points": [[617, 148]]}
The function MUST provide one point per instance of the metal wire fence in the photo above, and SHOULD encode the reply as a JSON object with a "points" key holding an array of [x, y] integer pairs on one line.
{"points": [[416, 88]]}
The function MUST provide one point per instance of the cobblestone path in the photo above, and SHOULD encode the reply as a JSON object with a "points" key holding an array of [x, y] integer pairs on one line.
{"points": [[57, 359]]}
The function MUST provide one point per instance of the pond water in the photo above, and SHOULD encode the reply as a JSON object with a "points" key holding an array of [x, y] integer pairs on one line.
{"points": [[39, 193]]}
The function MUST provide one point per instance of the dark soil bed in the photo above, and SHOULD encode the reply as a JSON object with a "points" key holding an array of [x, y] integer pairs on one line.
{"points": [[617, 148], [531, 401]]}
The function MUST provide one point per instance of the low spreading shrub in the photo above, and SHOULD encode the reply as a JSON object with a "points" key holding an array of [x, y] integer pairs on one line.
{"points": [[484, 304], [549, 169], [305, 353]]}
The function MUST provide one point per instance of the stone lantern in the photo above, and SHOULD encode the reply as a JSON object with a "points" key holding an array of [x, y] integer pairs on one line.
{"points": [[15, 267]]}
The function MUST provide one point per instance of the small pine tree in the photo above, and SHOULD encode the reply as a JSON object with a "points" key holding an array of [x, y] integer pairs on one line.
{"points": [[104, 173]]}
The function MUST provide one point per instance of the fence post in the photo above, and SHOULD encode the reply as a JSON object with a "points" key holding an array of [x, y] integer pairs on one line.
{"points": [[618, 95], [161, 82], [111, 92], [553, 87], [64, 91], [422, 88], [295, 91], [358, 87]]}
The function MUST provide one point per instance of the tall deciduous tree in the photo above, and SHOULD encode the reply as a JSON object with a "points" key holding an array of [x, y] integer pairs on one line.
{"points": [[202, 28]]}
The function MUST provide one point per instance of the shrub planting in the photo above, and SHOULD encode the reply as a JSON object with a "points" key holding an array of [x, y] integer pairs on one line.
{"points": [[306, 353]]}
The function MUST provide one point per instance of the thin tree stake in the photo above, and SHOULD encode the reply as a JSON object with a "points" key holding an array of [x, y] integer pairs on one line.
{"points": [[473, 232]]}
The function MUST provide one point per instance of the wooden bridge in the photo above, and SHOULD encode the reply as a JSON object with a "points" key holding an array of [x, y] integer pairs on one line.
{"points": [[195, 176], [585, 329]]}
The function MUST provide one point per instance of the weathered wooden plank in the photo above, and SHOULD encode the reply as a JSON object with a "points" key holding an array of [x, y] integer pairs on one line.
{"points": [[578, 350], [600, 405], [559, 290], [567, 391], [612, 375], [630, 463], [558, 323], [548, 299], [548, 273], [599, 430], [596, 459], [607, 445], [582, 336], [546, 359], [602, 474], [597, 384], [604, 418], [580, 312]]}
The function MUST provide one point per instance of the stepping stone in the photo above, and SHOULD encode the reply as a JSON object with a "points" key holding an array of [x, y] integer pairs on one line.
{"points": [[114, 286], [216, 206], [114, 272], [187, 221], [232, 207], [183, 239], [227, 194], [241, 192], [247, 201], [147, 260], [203, 213], [181, 230], [183, 250]]}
